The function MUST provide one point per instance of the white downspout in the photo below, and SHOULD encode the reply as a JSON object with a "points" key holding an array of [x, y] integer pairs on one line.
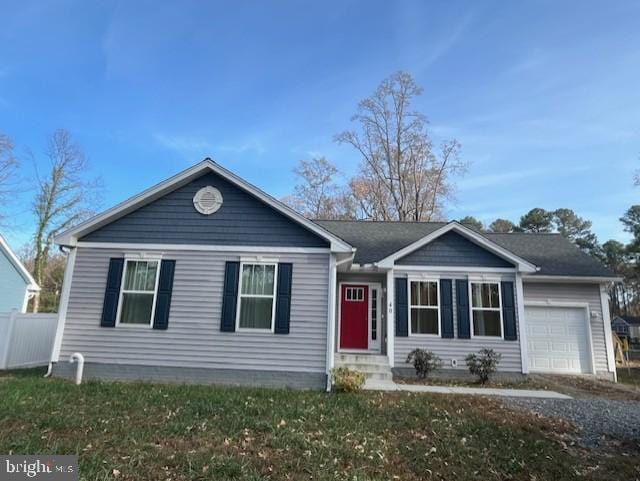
{"points": [[608, 336], [522, 324], [62, 309], [331, 306], [79, 358]]}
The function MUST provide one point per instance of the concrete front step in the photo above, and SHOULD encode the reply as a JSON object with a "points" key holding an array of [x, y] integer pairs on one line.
{"points": [[361, 359], [374, 367], [378, 376], [358, 366]]}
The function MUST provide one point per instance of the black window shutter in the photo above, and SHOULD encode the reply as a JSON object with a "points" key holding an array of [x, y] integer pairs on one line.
{"points": [[283, 298], [230, 296], [509, 312], [462, 298], [402, 306], [112, 293], [446, 308], [163, 298]]}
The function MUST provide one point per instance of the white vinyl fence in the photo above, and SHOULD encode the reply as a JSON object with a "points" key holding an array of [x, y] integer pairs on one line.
{"points": [[26, 340]]}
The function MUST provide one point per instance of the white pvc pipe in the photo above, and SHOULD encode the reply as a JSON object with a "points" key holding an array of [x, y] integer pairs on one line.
{"points": [[79, 358]]}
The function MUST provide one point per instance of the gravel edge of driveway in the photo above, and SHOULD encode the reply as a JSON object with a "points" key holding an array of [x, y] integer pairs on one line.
{"points": [[597, 420]]}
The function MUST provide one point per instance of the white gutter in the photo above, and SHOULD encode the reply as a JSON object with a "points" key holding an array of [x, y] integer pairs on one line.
{"points": [[579, 279], [64, 304]]}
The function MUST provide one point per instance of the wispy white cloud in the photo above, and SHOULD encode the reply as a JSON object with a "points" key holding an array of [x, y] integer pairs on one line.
{"points": [[533, 60], [181, 143], [497, 178], [194, 145], [445, 42], [423, 41]]}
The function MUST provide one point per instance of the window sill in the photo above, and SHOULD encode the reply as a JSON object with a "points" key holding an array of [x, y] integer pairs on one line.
{"points": [[252, 330], [127, 325]]}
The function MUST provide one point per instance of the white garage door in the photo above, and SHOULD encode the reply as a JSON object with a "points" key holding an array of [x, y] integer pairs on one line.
{"points": [[558, 340]]}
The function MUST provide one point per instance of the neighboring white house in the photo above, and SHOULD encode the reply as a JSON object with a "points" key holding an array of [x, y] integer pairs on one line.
{"points": [[17, 284]]}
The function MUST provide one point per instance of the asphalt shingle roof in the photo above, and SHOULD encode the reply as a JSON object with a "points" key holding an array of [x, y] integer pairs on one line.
{"points": [[552, 253], [635, 320]]}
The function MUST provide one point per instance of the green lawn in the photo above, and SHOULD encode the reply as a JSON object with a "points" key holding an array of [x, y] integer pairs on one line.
{"points": [[145, 431]]}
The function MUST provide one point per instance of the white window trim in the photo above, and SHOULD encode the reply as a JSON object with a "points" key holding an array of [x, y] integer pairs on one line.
{"points": [[411, 306], [264, 296], [499, 309], [352, 290], [138, 258], [374, 344]]}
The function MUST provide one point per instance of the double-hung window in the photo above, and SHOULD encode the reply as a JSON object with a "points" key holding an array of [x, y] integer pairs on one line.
{"points": [[486, 309], [138, 293], [424, 308], [256, 299]]}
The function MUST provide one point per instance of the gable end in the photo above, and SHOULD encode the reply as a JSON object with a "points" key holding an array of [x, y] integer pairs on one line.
{"points": [[452, 249], [241, 220]]}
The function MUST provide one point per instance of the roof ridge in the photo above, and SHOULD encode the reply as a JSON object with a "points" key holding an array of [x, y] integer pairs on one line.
{"points": [[365, 221], [521, 233], [413, 222]]}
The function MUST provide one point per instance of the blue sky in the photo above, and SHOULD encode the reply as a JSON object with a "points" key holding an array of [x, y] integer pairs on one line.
{"points": [[543, 96]]}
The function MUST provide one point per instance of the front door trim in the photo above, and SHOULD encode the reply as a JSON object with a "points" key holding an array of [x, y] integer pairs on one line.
{"points": [[372, 349]]}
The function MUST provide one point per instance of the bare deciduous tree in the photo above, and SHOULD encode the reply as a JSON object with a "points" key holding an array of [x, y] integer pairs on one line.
{"points": [[317, 195], [52, 277], [8, 171], [64, 197], [401, 176]]}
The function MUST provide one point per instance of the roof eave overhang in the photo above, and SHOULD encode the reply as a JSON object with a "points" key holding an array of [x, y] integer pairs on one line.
{"points": [[521, 265], [70, 237], [575, 279]]}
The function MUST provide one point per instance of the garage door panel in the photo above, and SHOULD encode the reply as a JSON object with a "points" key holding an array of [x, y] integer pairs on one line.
{"points": [[538, 329], [560, 364], [575, 314], [558, 339], [575, 330], [560, 347], [539, 363]]}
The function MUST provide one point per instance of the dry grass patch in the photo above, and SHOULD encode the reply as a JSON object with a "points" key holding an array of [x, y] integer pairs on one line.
{"points": [[145, 431]]}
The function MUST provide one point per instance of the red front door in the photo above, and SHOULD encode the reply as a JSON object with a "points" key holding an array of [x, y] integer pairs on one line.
{"points": [[354, 317]]}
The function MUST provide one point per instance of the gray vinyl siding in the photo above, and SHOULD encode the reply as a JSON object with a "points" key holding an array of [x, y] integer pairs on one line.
{"points": [[575, 293], [242, 220], [452, 249], [458, 349], [193, 338], [194, 375]]}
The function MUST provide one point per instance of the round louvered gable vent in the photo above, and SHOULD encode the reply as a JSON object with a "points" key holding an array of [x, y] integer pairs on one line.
{"points": [[207, 200]]}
